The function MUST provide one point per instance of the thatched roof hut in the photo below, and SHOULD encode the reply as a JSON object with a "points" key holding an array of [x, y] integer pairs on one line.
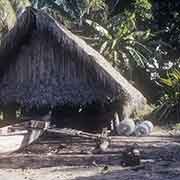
{"points": [[42, 63]]}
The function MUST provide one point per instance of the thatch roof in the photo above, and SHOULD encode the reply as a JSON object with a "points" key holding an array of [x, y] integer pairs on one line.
{"points": [[41, 62]]}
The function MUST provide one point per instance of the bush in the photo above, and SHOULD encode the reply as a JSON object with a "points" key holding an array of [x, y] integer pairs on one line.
{"points": [[170, 100]]}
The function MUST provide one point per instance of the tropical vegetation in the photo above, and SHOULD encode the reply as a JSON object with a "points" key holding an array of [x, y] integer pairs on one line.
{"points": [[140, 38]]}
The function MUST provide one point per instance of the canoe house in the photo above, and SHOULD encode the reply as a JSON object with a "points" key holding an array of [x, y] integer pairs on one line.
{"points": [[45, 66]]}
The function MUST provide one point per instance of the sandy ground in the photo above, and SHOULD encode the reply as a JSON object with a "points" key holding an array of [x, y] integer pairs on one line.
{"points": [[67, 158]]}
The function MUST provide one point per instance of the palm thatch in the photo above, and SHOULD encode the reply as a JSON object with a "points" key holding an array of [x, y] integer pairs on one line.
{"points": [[43, 63]]}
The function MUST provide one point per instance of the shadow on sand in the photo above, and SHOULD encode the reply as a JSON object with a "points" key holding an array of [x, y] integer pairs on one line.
{"points": [[51, 151]]}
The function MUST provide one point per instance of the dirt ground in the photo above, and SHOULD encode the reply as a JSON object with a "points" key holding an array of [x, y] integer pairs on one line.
{"points": [[67, 158]]}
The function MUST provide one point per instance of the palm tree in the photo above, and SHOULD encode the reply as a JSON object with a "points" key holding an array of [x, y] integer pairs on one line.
{"points": [[9, 9]]}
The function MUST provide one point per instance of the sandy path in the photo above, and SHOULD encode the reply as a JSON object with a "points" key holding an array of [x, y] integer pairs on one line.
{"points": [[64, 158]]}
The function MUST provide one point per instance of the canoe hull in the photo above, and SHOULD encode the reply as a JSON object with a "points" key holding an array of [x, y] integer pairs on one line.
{"points": [[18, 136]]}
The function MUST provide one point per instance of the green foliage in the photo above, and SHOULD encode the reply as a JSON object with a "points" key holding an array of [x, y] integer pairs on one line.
{"points": [[3, 24], [7, 17], [143, 8], [171, 87], [119, 42], [9, 9], [170, 100], [71, 9], [120, 38], [167, 25]]}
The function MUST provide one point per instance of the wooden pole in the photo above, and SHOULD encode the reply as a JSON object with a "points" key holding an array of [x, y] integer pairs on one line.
{"points": [[9, 113]]}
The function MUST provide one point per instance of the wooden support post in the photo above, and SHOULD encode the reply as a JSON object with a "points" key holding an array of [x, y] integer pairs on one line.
{"points": [[116, 122], [9, 113]]}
